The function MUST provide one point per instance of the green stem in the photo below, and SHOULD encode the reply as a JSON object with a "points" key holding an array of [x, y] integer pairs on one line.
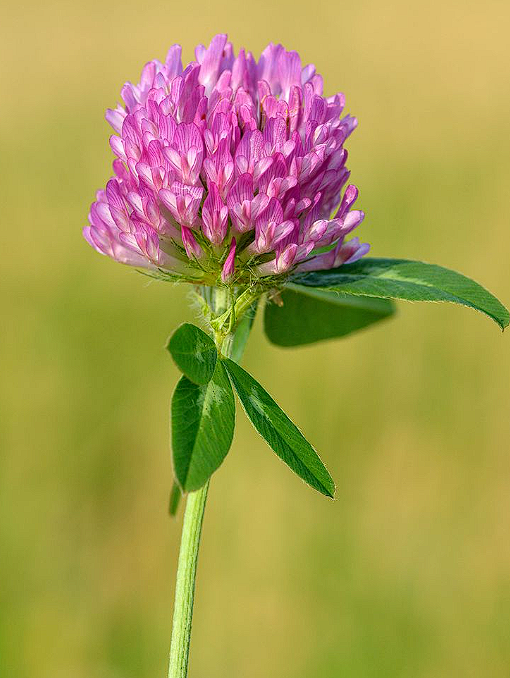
{"points": [[185, 583], [192, 525]]}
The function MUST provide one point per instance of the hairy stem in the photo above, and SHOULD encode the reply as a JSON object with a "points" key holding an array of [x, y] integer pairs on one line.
{"points": [[185, 583], [193, 519]]}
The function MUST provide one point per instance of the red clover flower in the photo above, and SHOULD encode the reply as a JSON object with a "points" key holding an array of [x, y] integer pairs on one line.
{"points": [[228, 170], [230, 174]]}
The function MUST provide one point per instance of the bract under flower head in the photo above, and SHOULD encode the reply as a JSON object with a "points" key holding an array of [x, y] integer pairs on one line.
{"points": [[229, 170]]}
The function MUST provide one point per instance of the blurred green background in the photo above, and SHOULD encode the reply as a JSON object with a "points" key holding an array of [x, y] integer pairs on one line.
{"points": [[407, 574]]}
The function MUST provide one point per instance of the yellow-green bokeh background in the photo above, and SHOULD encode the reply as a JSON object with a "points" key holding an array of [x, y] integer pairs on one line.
{"points": [[407, 574]]}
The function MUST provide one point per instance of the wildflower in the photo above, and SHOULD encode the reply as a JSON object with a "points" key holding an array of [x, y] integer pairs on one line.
{"points": [[229, 170]]}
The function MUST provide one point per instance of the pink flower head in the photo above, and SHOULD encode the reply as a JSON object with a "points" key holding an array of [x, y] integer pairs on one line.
{"points": [[228, 169]]}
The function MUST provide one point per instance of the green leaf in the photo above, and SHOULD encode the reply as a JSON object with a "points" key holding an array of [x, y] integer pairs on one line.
{"points": [[278, 431], [203, 419], [411, 280], [194, 353], [242, 333], [310, 314], [175, 499]]}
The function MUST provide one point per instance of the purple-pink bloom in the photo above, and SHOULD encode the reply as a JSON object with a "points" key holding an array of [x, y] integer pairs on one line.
{"points": [[228, 170]]}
